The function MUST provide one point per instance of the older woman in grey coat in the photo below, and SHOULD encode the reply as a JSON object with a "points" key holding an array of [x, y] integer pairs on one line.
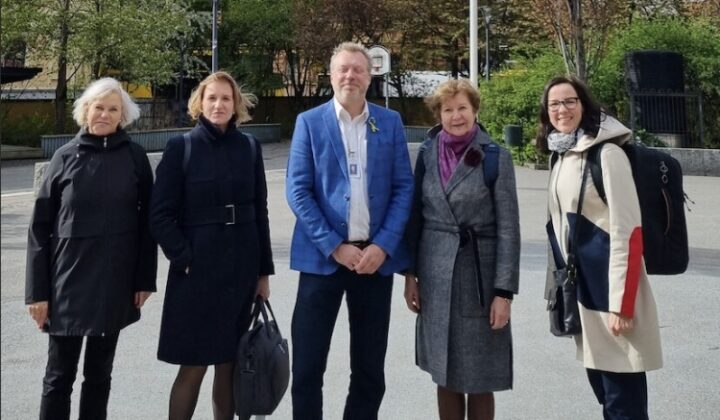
{"points": [[464, 236]]}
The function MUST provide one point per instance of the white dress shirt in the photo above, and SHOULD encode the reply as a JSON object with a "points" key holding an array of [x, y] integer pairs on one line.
{"points": [[354, 137]]}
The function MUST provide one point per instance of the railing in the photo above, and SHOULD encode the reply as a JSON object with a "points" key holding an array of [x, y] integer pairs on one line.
{"points": [[415, 133], [674, 118], [154, 140]]}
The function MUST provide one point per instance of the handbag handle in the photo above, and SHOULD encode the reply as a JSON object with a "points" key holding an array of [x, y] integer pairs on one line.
{"points": [[259, 309]]}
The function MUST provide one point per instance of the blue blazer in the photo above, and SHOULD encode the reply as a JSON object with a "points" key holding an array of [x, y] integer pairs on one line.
{"points": [[318, 189]]}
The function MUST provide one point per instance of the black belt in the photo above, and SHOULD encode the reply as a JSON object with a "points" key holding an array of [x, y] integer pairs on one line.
{"points": [[228, 214], [468, 234], [359, 244]]}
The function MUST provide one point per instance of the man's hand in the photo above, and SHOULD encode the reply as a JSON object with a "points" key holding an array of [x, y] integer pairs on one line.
{"points": [[348, 255], [39, 313], [140, 298], [412, 293], [619, 324], [372, 258]]}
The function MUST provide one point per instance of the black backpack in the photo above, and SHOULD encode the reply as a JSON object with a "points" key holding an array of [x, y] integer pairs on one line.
{"points": [[658, 181]]}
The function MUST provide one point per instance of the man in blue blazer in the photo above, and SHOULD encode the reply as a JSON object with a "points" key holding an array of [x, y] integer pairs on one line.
{"points": [[350, 184]]}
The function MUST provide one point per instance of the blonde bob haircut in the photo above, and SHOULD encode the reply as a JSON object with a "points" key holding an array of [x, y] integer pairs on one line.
{"points": [[98, 90], [447, 90], [243, 101]]}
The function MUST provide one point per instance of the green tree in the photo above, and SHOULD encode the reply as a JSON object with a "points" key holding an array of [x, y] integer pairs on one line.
{"points": [[699, 43], [127, 39], [513, 95], [249, 52]]}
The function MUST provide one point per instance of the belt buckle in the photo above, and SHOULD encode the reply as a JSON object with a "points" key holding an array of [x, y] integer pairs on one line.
{"points": [[231, 208]]}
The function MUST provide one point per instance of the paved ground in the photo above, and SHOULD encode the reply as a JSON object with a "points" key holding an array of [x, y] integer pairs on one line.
{"points": [[549, 383]]}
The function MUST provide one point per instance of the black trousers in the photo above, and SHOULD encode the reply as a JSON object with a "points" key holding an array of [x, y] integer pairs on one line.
{"points": [[63, 356], [622, 395], [318, 301]]}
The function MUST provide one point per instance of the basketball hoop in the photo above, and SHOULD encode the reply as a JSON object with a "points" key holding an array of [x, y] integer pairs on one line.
{"points": [[379, 60]]}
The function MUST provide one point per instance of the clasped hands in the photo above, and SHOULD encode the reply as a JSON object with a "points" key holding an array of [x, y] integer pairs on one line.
{"points": [[361, 261]]}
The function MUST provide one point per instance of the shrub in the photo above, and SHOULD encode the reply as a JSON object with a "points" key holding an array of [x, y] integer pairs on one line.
{"points": [[513, 97], [26, 130]]}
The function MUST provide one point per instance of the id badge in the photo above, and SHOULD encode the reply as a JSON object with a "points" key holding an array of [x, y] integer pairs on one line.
{"points": [[354, 169]]}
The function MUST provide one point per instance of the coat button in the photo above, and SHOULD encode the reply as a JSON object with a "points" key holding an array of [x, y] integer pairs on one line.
{"points": [[343, 224], [347, 197]]}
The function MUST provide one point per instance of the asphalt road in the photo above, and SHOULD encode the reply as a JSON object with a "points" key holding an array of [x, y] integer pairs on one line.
{"points": [[549, 383]]}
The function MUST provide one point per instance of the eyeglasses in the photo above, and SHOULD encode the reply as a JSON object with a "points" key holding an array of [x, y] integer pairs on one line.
{"points": [[569, 103]]}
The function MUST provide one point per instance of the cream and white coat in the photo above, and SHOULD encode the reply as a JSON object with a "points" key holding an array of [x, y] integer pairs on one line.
{"points": [[612, 271]]}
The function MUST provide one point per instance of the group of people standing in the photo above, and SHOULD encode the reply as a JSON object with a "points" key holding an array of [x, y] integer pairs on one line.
{"points": [[452, 228]]}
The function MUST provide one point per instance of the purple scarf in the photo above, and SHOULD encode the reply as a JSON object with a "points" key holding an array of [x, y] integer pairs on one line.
{"points": [[450, 149]]}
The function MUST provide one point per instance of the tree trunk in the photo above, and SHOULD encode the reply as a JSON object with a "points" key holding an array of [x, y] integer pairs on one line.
{"points": [[98, 41], [61, 88], [454, 59], [577, 31]]}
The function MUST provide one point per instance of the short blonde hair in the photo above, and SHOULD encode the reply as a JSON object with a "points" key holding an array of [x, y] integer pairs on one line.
{"points": [[100, 89], [352, 47], [448, 90], [243, 101]]}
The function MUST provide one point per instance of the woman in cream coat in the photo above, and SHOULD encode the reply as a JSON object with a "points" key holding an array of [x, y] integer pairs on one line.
{"points": [[620, 338]]}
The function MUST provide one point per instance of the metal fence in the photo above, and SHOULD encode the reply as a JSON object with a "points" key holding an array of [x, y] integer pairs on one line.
{"points": [[415, 133], [674, 118], [154, 140]]}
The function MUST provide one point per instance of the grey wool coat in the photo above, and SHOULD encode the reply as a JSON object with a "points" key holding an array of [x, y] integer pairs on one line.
{"points": [[454, 342]]}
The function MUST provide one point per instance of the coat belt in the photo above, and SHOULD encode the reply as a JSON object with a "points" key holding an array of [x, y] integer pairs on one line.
{"points": [[468, 234], [228, 214]]}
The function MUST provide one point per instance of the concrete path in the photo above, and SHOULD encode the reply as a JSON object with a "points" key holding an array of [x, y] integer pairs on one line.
{"points": [[549, 383]]}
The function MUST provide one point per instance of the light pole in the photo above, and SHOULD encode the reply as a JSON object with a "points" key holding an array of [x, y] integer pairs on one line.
{"points": [[473, 42], [485, 10], [215, 7]]}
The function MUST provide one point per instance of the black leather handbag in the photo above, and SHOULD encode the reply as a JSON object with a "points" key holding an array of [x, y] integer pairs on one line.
{"points": [[262, 365], [563, 303]]}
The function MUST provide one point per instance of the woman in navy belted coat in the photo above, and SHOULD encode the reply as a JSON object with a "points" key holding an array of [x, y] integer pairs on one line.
{"points": [[209, 215]]}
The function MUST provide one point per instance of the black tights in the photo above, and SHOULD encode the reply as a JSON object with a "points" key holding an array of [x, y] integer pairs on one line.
{"points": [[451, 405], [185, 390]]}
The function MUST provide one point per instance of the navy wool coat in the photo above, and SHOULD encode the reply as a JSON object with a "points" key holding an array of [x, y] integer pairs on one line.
{"points": [[211, 221], [89, 244]]}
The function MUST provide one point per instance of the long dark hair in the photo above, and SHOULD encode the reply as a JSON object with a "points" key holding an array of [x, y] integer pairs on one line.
{"points": [[592, 111]]}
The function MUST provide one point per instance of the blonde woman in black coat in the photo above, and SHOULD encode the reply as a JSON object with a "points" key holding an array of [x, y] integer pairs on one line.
{"points": [[91, 261], [209, 215]]}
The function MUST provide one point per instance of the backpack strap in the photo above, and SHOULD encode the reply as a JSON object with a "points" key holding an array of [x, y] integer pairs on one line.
{"points": [[595, 163], [187, 150], [490, 164], [253, 148]]}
